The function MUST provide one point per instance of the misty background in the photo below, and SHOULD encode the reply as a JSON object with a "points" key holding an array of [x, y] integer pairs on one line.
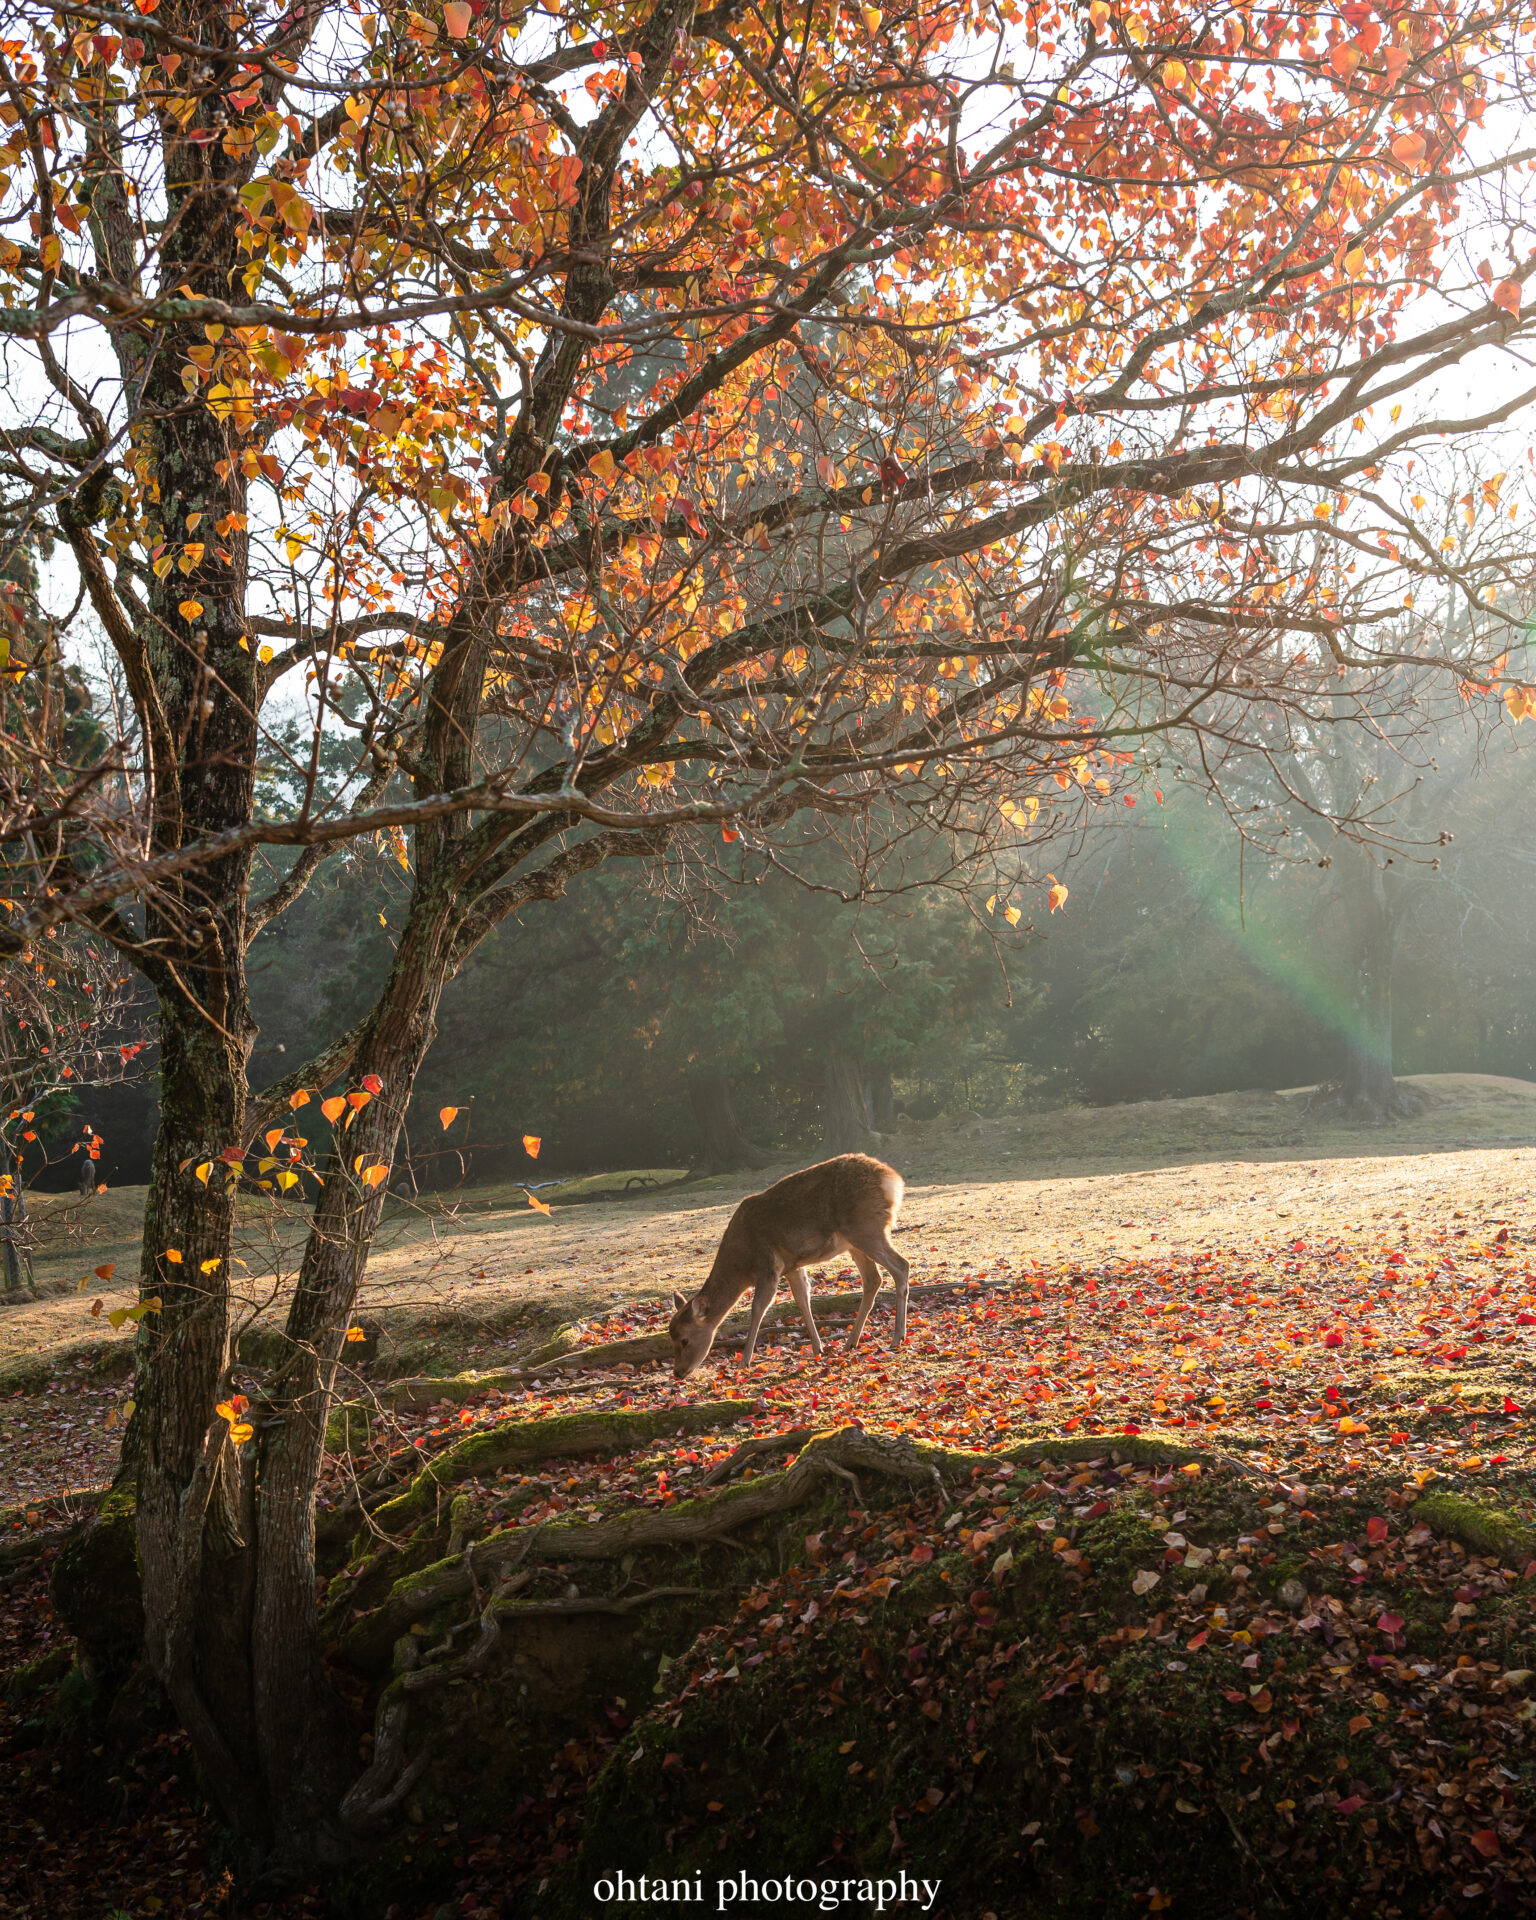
{"points": [[678, 1023]]}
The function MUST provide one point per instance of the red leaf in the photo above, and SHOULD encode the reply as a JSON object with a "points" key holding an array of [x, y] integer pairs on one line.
{"points": [[373, 1083], [1376, 1531], [1487, 1843], [1352, 1805], [1390, 1623]]}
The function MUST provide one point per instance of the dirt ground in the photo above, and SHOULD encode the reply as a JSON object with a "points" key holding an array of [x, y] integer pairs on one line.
{"points": [[458, 1280]]}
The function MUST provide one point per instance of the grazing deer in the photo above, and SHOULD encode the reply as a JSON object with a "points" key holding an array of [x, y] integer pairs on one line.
{"points": [[846, 1205]]}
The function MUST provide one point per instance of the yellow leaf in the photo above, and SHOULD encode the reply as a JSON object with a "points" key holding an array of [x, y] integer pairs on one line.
{"points": [[1012, 915], [872, 18], [241, 1431], [287, 1180], [210, 1266], [1057, 897], [531, 1145], [202, 1174], [603, 466], [537, 1204], [446, 1115], [355, 1334], [1354, 262], [190, 609], [51, 252], [225, 1411]]}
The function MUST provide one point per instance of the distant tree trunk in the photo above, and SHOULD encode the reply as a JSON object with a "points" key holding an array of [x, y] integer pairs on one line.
{"points": [[723, 1147], [1366, 1091], [882, 1099], [850, 1126]]}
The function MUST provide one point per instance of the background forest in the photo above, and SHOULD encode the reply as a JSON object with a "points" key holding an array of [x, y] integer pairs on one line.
{"points": [[673, 1022]]}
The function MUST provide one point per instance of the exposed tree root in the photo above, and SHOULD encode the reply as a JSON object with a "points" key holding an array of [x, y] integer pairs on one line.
{"points": [[519, 1443], [388, 1778], [841, 1454], [754, 1449]]}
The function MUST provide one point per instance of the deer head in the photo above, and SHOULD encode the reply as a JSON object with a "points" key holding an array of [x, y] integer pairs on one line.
{"points": [[692, 1335]]}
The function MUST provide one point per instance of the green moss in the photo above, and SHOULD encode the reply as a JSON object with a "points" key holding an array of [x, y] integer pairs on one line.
{"points": [[1480, 1529], [521, 1443], [38, 1676]]}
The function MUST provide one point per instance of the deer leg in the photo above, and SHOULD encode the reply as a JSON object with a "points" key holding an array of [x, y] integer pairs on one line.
{"points": [[761, 1300], [800, 1287], [901, 1274], [869, 1273]]}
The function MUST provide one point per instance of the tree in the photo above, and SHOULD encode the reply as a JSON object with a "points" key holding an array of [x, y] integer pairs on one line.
{"points": [[929, 511]]}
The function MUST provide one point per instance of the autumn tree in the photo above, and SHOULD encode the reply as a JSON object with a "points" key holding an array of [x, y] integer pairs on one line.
{"points": [[628, 422]]}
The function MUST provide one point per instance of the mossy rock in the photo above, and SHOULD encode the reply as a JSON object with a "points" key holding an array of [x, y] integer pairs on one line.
{"points": [[1480, 1529]]}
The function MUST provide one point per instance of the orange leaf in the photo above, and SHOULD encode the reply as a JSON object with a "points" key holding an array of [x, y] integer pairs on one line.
{"points": [[333, 1108], [1507, 295], [173, 1254], [373, 1175], [273, 1136], [446, 1115], [457, 15], [299, 1099], [355, 1334], [537, 1204], [531, 1145]]}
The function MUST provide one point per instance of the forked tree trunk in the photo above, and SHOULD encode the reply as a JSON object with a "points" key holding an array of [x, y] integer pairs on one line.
{"points": [[723, 1147], [847, 1122]]}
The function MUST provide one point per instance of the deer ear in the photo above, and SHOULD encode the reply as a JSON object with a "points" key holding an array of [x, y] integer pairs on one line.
{"points": [[679, 1300]]}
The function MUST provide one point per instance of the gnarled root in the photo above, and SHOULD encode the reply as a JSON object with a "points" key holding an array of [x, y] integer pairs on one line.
{"points": [[388, 1778]]}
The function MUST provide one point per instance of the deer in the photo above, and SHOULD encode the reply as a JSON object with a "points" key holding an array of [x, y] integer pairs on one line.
{"points": [[844, 1205]]}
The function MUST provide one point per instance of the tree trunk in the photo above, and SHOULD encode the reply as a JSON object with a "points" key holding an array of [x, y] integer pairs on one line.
{"points": [[12, 1217], [882, 1099], [1366, 1092], [723, 1147], [308, 1776], [849, 1126]]}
